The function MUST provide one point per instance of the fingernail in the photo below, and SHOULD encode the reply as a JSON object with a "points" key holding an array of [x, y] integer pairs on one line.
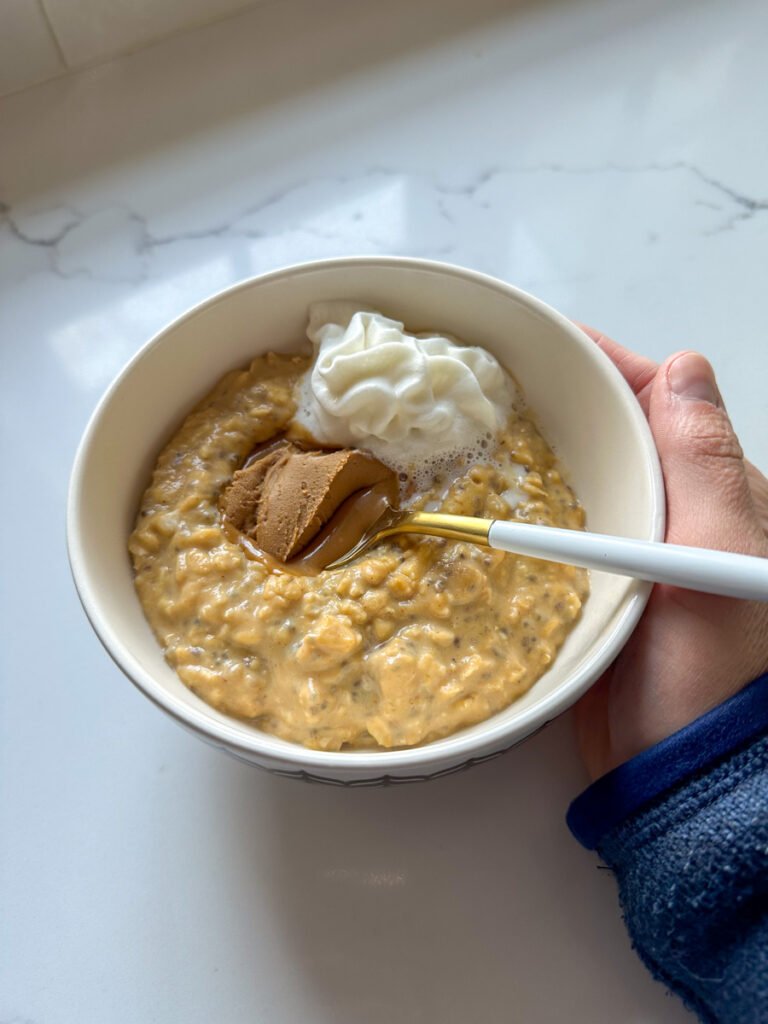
{"points": [[690, 377]]}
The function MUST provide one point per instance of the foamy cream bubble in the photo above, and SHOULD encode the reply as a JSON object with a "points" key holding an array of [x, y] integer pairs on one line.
{"points": [[419, 403]]}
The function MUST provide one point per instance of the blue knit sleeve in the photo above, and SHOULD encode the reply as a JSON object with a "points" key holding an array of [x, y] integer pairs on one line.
{"points": [[684, 828]]}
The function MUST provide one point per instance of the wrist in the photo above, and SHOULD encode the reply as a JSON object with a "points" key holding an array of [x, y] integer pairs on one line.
{"points": [[691, 750]]}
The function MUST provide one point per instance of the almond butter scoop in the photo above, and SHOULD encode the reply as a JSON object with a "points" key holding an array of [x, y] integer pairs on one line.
{"points": [[285, 495]]}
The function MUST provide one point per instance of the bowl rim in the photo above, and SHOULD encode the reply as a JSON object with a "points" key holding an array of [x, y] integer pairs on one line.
{"points": [[249, 741]]}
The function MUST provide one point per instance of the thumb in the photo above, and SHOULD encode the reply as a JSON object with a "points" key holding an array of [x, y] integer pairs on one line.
{"points": [[709, 503]]}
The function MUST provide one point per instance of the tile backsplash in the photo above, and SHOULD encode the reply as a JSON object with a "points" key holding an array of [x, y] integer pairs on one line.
{"points": [[28, 50], [42, 39]]}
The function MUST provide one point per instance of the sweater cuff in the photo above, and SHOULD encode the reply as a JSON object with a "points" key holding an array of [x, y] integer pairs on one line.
{"points": [[628, 788]]}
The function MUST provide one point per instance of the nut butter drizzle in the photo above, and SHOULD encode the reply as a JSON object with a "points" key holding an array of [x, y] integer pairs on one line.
{"points": [[342, 531]]}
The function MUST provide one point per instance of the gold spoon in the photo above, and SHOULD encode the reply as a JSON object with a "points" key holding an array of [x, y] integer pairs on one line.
{"points": [[435, 524], [714, 572]]}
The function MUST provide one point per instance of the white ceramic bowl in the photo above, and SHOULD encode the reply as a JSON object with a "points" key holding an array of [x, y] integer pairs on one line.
{"points": [[585, 408]]}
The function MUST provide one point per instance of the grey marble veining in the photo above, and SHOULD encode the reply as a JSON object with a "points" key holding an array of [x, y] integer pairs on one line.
{"points": [[74, 242]]}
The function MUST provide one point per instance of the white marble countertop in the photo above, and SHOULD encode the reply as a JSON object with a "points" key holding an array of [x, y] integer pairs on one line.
{"points": [[609, 157]]}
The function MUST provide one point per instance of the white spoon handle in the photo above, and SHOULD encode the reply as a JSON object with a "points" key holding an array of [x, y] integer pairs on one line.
{"points": [[714, 572]]}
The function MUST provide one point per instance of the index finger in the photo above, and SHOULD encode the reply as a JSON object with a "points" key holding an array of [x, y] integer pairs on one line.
{"points": [[637, 371]]}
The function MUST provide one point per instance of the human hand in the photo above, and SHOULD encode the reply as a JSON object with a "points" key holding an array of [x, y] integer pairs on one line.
{"points": [[690, 651]]}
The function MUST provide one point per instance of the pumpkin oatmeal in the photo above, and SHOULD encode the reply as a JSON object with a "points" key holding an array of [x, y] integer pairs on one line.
{"points": [[417, 638]]}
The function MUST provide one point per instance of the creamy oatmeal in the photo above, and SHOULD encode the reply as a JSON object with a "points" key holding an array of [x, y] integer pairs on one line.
{"points": [[418, 638]]}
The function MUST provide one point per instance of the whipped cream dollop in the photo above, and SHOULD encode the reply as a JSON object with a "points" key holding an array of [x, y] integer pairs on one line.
{"points": [[411, 400]]}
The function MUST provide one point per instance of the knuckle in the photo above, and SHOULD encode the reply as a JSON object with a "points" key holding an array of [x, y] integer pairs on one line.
{"points": [[714, 440]]}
